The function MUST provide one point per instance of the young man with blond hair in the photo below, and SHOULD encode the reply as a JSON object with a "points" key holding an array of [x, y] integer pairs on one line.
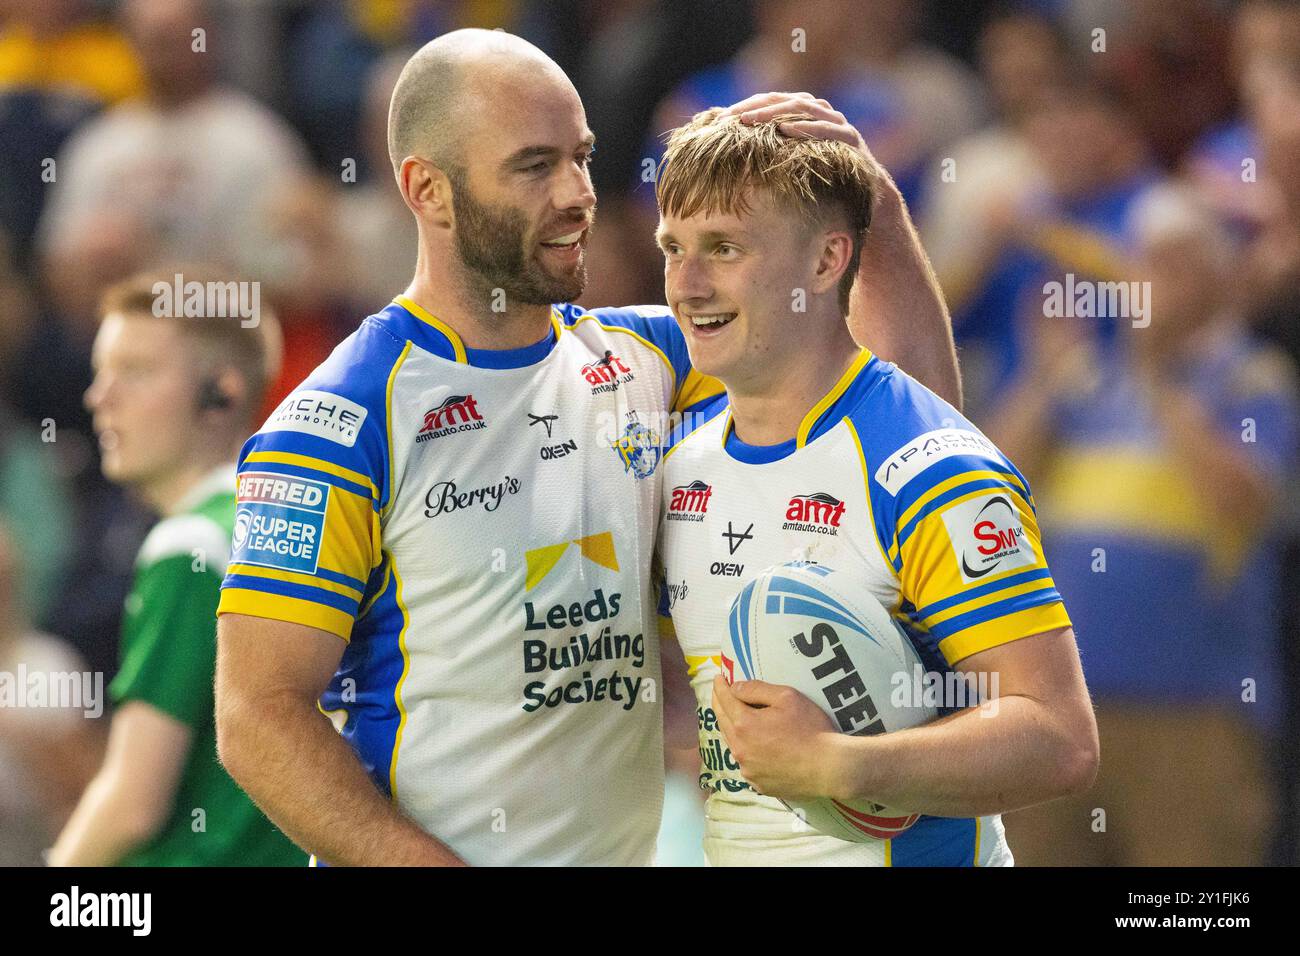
{"points": [[479, 464], [172, 397], [762, 230]]}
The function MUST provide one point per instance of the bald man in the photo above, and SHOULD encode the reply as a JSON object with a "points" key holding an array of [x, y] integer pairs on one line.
{"points": [[443, 536]]}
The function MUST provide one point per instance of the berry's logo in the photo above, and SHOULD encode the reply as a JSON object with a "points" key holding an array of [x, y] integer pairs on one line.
{"points": [[457, 413], [818, 512], [689, 502]]}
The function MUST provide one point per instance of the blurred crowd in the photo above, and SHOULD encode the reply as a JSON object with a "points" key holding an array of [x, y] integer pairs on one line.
{"points": [[1087, 146]]}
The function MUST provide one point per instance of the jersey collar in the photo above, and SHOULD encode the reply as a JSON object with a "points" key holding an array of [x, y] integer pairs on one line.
{"points": [[441, 339], [819, 419]]}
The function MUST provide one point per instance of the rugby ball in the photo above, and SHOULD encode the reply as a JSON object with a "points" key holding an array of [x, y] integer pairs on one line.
{"points": [[821, 632]]}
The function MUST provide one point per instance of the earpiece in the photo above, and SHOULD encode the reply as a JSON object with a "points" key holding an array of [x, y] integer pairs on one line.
{"points": [[211, 397]]}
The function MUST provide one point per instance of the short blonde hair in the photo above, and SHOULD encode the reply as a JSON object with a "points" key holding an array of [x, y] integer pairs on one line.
{"points": [[713, 162], [253, 352]]}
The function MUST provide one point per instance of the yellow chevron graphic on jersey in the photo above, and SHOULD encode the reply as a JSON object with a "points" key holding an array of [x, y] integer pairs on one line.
{"points": [[694, 663], [597, 548]]}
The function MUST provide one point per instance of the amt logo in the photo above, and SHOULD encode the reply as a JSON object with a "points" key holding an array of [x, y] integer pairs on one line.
{"points": [[605, 369], [689, 502], [457, 413]]}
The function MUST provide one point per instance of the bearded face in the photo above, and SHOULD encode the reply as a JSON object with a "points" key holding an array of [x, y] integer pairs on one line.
{"points": [[498, 244]]}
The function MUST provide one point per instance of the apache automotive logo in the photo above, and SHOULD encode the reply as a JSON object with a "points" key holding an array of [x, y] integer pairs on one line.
{"points": [[819, 513], [318, 413], [689, 502], [638, 448], [445, 497], [988, 535], [607, 374], [925, 450], [457, 413]]}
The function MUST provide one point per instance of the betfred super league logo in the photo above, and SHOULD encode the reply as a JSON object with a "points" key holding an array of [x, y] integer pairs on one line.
{"points": [[457, 413]]}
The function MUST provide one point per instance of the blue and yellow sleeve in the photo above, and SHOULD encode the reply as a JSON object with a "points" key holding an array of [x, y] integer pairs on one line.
{"points": [[963, 538], [310, 490]]}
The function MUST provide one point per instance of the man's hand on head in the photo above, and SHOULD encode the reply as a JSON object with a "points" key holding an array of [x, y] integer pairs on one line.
{"points": [[801, 115]]}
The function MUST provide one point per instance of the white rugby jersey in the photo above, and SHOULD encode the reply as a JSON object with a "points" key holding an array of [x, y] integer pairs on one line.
{"points": [[478, 526], [883, 476]]}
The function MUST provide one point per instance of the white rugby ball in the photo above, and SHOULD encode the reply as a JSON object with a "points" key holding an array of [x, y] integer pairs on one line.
{"points": [[820, 632]]}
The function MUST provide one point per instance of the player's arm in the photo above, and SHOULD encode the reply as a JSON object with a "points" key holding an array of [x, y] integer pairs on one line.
{"points": [[897, 308], [131, 797], [1035, 742], [286, 754]]}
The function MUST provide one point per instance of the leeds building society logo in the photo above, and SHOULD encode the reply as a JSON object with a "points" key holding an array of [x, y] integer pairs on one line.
{"points": [[689, 502], [596, 548], [638, 448], [988, 535], [819, 513], [607, 373], [457, 413]]}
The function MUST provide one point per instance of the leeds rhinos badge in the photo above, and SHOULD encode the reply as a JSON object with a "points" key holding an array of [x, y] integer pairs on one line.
{"points": [[638, 448]]}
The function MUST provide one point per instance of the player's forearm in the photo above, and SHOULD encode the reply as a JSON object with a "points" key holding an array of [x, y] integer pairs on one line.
{"points": [[898, 309], [308, 781], [103, 829], [1007, 754]]}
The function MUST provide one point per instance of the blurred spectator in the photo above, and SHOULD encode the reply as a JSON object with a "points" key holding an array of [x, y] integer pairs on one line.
{"points": [[48, 751], [61, 46], [1094, 166], [184, 172], [1160, 458], [1265, 64], [34, 505], [378, 233], [992, 174], [905, 97], [1166, 46], [173, 397], [333, 46]]}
